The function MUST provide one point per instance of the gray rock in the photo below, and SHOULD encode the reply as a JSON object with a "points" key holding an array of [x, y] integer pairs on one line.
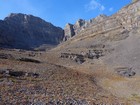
{"points": [[28, 60], [99, 18], [68, 31], [28, 32], [6, 56], [13, 73], [126, 72], [75, 57], [123, 21], [71, 30], [79, 25]]}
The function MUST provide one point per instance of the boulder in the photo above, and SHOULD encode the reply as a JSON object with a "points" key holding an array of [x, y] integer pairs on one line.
{"points": [[126, 72]]}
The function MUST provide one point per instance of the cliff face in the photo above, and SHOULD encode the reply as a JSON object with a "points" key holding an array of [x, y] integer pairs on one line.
{"points": [[117, 37], [27, 32], [68, 32], [81, 25], [124, 20]]}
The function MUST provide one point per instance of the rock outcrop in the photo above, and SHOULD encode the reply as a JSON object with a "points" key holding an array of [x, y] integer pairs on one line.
{"points": [[119, 35], [123, 21], [12, 73], [68, 32], [126, 72], [28, 32], [80, 25]]}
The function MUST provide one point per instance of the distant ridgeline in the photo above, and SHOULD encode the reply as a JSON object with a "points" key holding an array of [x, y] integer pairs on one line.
{"points": [[23, 31], [125, 19]]}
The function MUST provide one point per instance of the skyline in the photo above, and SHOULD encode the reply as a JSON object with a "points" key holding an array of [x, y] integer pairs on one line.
{"points": [[61, 12]]}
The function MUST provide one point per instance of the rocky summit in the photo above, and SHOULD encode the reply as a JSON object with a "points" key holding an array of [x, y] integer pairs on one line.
{"points": [[95, 62], [28, 32]]}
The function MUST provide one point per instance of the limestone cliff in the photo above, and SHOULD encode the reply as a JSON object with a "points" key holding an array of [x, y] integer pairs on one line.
{"points": [[81, 25], [124, 20], [68, 32]]}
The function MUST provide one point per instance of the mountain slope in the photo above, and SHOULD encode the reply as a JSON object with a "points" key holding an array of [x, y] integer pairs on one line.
{"points": [[111, 44], [99, 65], [27, 32]]}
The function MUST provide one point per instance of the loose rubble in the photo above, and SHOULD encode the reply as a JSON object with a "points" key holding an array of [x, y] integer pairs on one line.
{"points": [[5, 56], [28, 60], [80, 58], [126, 72], [13, 73]]}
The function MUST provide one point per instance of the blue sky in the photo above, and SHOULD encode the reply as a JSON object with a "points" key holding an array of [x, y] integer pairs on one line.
{"points": [[60, 12]]}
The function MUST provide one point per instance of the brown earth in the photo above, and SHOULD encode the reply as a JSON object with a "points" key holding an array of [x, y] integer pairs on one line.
{"points": [[58, 84]]}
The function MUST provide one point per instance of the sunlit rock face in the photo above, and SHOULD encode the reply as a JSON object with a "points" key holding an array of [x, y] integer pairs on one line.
{"points": [[126, 19], [27, 32], [68, 32], [80, 25]]}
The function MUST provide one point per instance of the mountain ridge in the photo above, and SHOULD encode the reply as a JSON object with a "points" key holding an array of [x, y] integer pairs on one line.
{"points": [[27, 32], [36, 32], [97, 64]]}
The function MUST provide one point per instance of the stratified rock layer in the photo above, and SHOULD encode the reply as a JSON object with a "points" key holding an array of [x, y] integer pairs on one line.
{"points": [[124, 20]]}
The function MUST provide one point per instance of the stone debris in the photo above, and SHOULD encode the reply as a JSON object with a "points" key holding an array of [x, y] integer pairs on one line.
{"points": [[126, 72], [80, 58], [94, 54], [5, 56], [13, 73], [69, 101], [75, 57], [28, 60]]}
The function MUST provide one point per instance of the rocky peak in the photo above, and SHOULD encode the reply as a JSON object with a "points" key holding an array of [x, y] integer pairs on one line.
{"points": [[77, 26], [80, 25], [24, 18], [100, 18], [68, 31], [125, 19], [16, 17], [27, 32]]}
